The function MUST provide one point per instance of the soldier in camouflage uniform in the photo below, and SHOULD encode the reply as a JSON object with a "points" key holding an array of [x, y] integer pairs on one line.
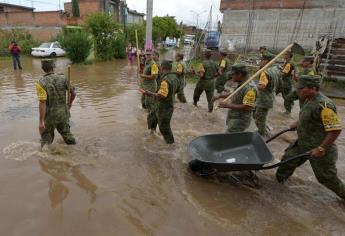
{"points": [[242, 104], [284, 84], [156, 59], [53, 107], [206, 72], [317, 129], [149, 83], [224, 68], [307, 69], [265, 95], [180, 71], [165, 96]]}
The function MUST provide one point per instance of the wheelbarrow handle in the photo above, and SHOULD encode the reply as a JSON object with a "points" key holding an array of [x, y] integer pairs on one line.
{"points": [[286, 161], [280, 133]]}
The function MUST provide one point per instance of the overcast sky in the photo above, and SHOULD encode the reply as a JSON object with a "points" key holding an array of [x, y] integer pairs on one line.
{"points": [[179, 8]]}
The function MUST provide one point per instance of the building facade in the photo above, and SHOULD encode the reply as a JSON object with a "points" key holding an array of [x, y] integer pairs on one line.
{"points": [[276, 23], [47, 24]]}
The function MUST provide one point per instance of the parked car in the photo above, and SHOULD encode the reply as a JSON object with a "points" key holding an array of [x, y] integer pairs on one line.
{"points": [[170, 43], [212, 40], [52, 49], [189, 39]]}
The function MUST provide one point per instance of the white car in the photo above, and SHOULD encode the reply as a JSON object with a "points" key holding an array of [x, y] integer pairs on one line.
{"points": [[52, 49]]}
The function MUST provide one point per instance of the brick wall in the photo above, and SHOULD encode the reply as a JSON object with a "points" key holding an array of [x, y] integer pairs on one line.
{"points": [[52, 18], [49, 18]]}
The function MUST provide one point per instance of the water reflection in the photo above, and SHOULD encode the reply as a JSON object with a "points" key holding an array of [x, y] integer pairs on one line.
{"points": [[63, 173]]}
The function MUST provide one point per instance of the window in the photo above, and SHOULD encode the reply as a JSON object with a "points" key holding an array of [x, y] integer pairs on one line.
{"points": [[111, 10]]}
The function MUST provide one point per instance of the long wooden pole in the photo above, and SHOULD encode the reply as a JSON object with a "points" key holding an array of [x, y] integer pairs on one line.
{"points": [[257, 73], [137, 42], [69, 86]]}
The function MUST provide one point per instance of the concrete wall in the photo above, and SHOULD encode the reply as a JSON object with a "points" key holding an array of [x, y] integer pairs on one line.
{"points": [[285, 4], [274, 27]]}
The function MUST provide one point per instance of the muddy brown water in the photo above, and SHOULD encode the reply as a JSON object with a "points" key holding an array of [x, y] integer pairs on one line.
{"points": [[120, 180]]}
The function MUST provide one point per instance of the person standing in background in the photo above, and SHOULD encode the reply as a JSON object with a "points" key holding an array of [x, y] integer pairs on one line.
{"points": [[15, 51], [130, 55]]}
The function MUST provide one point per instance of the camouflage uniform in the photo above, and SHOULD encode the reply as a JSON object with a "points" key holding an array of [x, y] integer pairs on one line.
{"points": [[180, 67], [150, 85], [169, 86], [206, 83], [52, 89], [225, 64], [290, 98], [239, 121], [284, 84], [316, 118], [265, 98]]}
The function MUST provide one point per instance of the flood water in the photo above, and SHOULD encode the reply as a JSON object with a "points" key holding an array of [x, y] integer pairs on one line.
{"points": [[121, 180]]}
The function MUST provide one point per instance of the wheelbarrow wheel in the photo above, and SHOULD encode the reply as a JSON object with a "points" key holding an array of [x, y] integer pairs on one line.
{"points": [[201, 168]]}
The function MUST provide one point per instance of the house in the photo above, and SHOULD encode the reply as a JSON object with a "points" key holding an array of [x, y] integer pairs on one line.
{"points": [[276, 23], [134, 17], [42, 25], [115, 8]]}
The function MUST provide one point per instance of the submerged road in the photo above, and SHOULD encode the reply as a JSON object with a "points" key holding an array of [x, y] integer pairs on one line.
{"points": [[120, 180]]}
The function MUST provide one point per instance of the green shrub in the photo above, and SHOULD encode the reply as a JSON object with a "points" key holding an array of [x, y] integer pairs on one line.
{"points": [[104, 31], [77, 45], [119, 46], [23, 38]]}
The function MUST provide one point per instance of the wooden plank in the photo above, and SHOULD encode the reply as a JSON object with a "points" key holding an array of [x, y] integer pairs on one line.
{"points": [[338, 52], [335, 72], [333, 62], [338, 45]]}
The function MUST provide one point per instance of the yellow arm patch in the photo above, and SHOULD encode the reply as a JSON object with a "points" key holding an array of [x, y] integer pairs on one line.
{"points": [[311, 73], [330, 120], [179, 68], [287, 68], [163, 89], [201, 68], [263, 79], [222, 64], [41, 93], [249, 98], [154, 69]]}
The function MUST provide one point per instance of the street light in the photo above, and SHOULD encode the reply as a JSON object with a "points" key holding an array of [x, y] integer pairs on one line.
{"points": [[197, 16]]}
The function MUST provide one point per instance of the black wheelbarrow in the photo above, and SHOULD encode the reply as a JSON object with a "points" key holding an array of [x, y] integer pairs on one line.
{"points": [[244, 151]]}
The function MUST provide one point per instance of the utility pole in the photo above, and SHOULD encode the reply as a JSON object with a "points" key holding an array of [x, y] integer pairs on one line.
{"points": [[197, 16], [149, 12]]}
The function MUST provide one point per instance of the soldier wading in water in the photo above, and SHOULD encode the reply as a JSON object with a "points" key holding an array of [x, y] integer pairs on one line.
{"points": [[53, 108]]}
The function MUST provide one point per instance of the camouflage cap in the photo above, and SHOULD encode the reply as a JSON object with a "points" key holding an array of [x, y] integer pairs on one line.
{"points": [[207, 52], [308, 81], [309, 58], [267, 56], [148, 52], [223, 51], [48, 63], [166, 64], [236, 68]]}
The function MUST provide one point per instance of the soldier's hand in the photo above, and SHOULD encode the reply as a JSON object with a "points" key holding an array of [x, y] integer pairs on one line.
{"points": [[41, 127], [215, 98], [316, 153], [223, 104], [294, 125]]}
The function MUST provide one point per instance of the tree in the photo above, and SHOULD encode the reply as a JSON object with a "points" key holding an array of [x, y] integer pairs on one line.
{"points": [[163, 27], [104, 31], [75, 8], [76, 43]]}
